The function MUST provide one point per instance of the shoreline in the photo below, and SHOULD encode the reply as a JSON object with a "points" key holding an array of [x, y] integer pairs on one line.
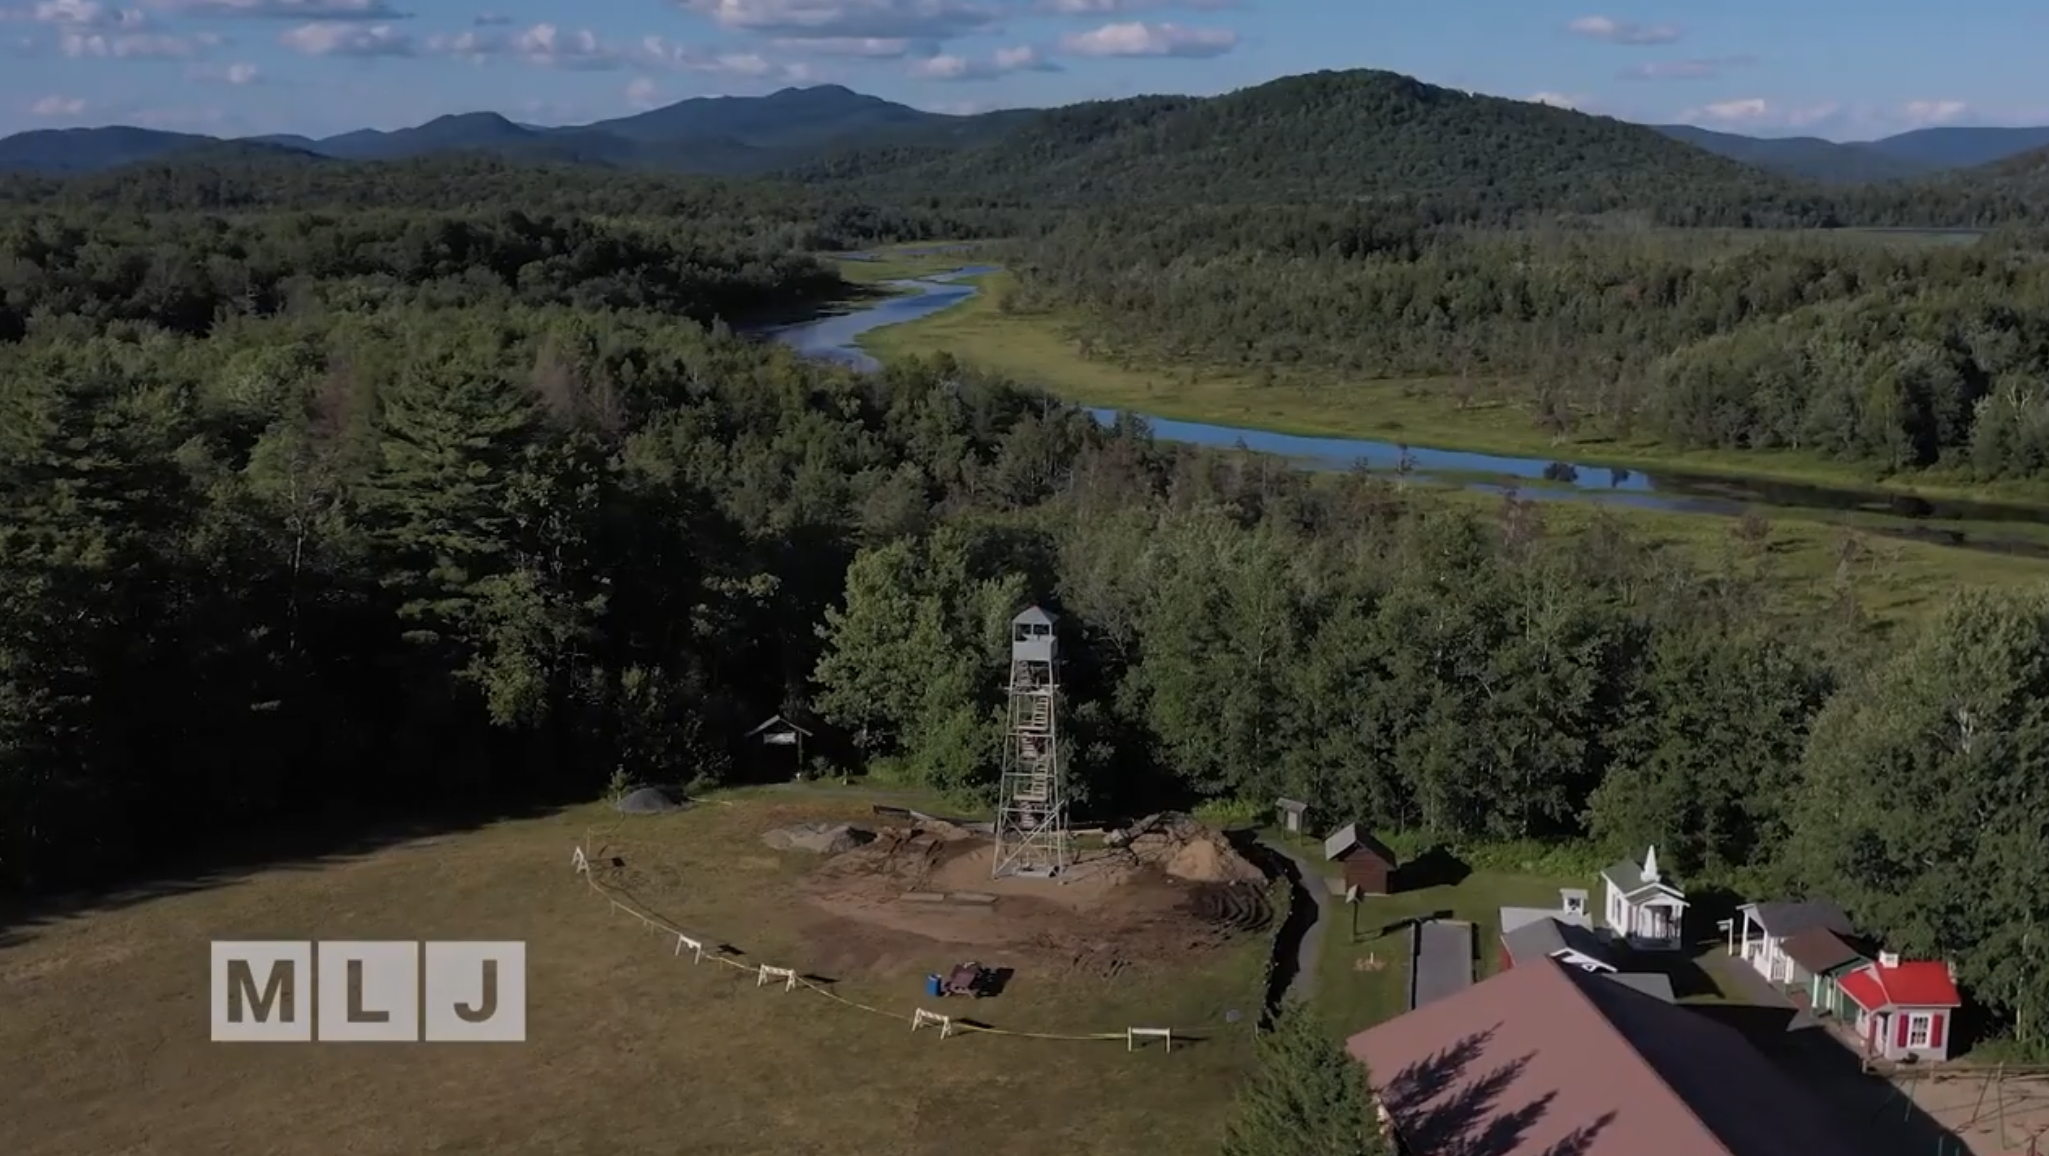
{"points": [[1032, 349]]}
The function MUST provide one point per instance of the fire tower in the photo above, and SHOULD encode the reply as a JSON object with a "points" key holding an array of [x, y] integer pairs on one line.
{"points": [[1031, 815]]}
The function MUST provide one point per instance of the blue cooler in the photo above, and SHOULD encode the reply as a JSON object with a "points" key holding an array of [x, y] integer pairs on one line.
{"points": [[934, 986]]}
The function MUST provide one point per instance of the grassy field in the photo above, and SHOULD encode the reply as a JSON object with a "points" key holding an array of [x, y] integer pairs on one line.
{"points": [[1039, 349], [899, 262], [103, 1023], [1812, 562]]}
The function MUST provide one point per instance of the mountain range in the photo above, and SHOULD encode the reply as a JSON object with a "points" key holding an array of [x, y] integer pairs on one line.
{"points": [[721, 135], [1919, 153], [832, 131]]}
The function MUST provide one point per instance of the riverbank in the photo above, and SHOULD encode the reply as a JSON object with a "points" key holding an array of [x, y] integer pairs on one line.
{"points": [[877, 267], [1038, 349], [1895, 568]]}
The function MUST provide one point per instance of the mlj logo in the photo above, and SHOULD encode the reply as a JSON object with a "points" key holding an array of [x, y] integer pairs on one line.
{"points": [[369, 991]]}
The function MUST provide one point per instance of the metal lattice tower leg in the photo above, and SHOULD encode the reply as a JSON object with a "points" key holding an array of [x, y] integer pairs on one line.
{"points": [[1031, 815]]}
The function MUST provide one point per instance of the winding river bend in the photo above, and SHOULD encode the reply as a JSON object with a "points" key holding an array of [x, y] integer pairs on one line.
{"points": [[834, 337]]}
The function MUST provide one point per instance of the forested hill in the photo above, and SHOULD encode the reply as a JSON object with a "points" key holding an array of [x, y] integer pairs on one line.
{"points": [[1341, 136], [229, 179]]}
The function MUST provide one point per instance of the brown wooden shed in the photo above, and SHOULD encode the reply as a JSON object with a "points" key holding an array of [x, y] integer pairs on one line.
{"points": [[1368, 864]]}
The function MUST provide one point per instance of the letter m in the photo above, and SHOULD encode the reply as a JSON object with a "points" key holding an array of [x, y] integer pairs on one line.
{"points": [[257, 988], [242, 992]]}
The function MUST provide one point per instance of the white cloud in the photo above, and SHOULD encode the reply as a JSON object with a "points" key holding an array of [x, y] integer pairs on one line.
{"points": [[1757, 112], [1139, 39], [58, 107], [1558, 100], [840, 19], [643, 93], [336, 39], [135, 45], [236, 74], [545, 45], [1924, 113], [550, 46], [78, 15], [870, 47], [324, 10], [1622, 31], [1001, 63]]}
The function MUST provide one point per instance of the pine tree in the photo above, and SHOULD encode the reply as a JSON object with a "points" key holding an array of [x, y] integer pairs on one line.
{"points": [[1308, 1098]]}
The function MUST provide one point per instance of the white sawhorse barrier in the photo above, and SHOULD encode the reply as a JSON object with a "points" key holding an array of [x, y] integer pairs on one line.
{"points": [[920, 1018], [1133, 1035], [696, 947], [787, 974]]}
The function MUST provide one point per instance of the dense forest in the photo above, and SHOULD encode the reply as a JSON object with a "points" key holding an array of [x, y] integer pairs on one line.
{"points": [[228, 180], [186, 274], [314, 506], [1901, 353]]}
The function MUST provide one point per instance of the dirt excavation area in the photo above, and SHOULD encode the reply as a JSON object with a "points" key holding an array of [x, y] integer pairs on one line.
{"points": [[1164, 887]]}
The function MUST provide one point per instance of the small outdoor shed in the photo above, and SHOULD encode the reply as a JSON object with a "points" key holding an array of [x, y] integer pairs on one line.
{"points": [[1823, 958], [778, 731], [1291, 811], [1369, 866]]}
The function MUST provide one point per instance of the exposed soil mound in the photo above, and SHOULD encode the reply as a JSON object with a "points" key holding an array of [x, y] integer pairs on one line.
{"points": [[1169, 886], [818, 838], [1209, 859], [1185, 848]]}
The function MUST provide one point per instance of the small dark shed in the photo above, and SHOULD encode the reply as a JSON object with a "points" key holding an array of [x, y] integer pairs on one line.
{"points": [[1369, 865], [778, 731]]}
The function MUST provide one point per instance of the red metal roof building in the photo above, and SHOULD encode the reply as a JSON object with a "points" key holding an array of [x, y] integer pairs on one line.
{"points": [[1548, 1058], [1904, 1009]]}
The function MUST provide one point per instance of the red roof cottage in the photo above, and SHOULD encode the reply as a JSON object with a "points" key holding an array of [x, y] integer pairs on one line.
{"points": [[1903, 1009]]}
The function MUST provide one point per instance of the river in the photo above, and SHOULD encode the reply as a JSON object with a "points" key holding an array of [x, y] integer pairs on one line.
{"points": [[1891, 514]]}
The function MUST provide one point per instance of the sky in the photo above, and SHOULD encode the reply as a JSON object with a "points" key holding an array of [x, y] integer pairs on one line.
{"points": [[1825, 68]]}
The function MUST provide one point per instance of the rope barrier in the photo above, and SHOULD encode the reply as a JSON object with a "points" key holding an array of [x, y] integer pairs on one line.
{"points": [[791, 980]]}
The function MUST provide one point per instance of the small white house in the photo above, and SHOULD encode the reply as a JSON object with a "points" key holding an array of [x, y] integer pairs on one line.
{"points": [[1642, 908], [1768, 925]]}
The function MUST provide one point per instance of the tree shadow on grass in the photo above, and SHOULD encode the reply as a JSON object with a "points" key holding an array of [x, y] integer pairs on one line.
{"points": [[336, 839], [1437, 867], [1448, 1105]]}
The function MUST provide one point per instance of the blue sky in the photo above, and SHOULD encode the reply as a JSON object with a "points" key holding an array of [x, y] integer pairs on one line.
{"points": [[1767, 67]]}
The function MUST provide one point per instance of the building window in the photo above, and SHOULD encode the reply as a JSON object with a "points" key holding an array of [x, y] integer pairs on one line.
{"points": [[1918, 1030]]}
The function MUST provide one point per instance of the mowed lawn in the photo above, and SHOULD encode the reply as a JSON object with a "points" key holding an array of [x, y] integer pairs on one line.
{"points": [[104, 1048]]}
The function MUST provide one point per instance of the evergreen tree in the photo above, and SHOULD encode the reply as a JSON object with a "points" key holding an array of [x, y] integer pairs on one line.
{"points": [[1308, 1097]]}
